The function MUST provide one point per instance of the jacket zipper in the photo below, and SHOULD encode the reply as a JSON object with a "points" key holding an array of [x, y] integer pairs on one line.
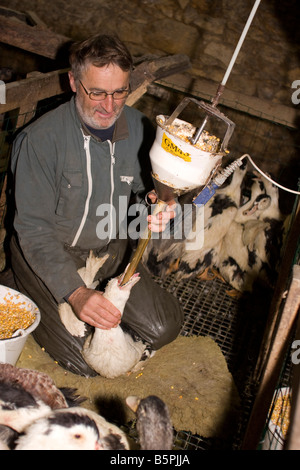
{"points": [[90, 187], [112, 186]]}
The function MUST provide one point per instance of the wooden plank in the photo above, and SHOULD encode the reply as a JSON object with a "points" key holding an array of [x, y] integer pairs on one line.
{"points": [[289, 251], [155, 68], [206, 89], [23, 93], [274, 364], [35, 39], [41, 41], [293, 437]]}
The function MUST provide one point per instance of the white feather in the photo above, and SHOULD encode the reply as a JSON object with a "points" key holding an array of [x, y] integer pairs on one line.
{"points": [[71, 322]]}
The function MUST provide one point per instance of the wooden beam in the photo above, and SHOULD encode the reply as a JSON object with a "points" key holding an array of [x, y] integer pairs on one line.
{"points": [[206, 89], [35, 39], [274, 364], [29, 91], [293, 437], [153, 69]]}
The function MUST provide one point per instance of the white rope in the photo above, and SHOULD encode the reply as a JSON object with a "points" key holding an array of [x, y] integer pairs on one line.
{"points": [[267, 177]]}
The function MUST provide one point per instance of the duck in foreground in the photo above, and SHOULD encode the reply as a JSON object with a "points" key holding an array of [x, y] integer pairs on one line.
{"points": [[72, 429], [27, 395], [153, 422], [35, 414]]}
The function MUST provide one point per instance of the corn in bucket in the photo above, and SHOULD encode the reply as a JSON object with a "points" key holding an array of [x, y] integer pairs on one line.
{"points": [[19, 316]]}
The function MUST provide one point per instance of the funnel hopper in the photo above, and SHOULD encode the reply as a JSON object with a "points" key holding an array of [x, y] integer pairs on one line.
{"points": [[165, 192], [176, 163]]}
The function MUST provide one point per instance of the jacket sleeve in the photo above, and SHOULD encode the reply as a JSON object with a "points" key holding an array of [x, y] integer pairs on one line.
{"points": [[34, 169]]}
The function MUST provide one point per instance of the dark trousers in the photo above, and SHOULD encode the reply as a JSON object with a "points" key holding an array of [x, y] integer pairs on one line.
{"points": [[152, 313]]}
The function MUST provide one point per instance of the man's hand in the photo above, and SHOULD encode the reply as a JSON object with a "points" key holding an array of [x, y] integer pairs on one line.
{"points": [[158, 222], [91, 307]]}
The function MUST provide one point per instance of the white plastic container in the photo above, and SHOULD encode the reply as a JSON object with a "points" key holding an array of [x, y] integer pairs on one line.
{"points": [[176, 162], [11, 348]]}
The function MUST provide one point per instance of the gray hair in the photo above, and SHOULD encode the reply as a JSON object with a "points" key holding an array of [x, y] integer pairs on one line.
{"points": [[99, 50]]}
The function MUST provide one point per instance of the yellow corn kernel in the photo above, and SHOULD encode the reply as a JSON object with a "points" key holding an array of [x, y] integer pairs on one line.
{"points": [[14, 316], [281, 413]]}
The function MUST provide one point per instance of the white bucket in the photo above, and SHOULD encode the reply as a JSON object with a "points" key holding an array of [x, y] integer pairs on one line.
{"points": [[177, 163], [11, 348]]}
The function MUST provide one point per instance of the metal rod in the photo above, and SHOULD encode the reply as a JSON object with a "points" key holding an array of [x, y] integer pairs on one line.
{"points": [[228, 71], [239, 44]]}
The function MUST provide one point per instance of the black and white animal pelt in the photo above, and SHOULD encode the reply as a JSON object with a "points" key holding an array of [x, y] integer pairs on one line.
{"points": [[153, 422], [27, 395], [212, 221], [251, 246]]}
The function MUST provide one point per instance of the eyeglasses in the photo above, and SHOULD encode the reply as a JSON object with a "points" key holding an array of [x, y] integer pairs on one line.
{"points": [[101, 95]]}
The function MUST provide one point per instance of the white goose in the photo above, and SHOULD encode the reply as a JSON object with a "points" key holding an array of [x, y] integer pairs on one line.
{"points": [[113, 352]]}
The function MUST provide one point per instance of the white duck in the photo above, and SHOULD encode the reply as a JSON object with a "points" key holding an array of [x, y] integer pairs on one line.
{"points": [[72, 429], [26, 395], [88, 272], [109, 352], [153, 422], [114, 352]]}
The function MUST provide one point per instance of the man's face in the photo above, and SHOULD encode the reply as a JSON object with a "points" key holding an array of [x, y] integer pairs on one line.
{"points": [[100, 114]]}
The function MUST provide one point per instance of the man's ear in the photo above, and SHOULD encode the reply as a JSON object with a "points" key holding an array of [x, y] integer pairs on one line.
{"points": [[72, 81]]}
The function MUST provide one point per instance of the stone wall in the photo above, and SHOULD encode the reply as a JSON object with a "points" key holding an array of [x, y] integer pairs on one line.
{"points": [[206, 30]]}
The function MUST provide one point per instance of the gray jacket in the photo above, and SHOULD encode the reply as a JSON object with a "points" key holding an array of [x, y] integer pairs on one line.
{"points": [[67, 182]]}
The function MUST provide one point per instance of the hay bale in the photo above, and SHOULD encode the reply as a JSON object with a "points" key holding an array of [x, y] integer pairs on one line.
{"points": [[190, 375]]}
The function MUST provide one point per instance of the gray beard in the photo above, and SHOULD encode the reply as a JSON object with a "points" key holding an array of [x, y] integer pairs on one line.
{"points": [[89, 120]]}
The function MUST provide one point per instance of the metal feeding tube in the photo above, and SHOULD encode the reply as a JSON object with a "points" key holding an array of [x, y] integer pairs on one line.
{"points": [[143, 242]]}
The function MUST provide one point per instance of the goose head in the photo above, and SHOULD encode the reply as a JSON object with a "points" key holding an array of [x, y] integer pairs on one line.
{"points": [[61, 430], [117, 293], [153, 422]]}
